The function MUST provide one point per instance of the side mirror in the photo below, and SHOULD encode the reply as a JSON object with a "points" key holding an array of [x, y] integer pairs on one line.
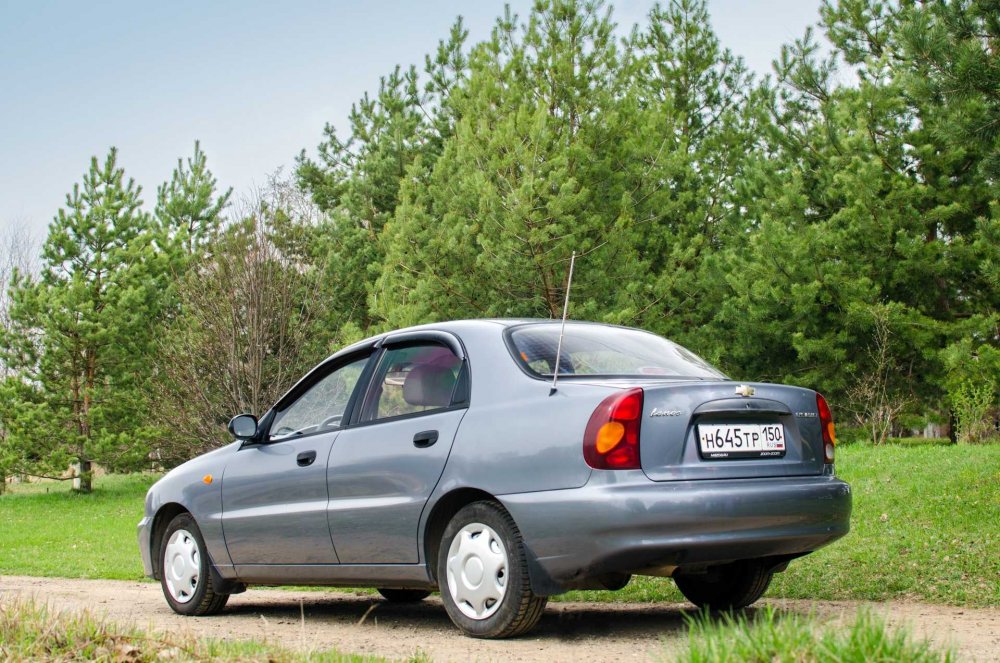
{"points": [[243, 426]]}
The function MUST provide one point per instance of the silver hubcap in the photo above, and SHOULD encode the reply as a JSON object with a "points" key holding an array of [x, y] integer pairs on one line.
{"points": [[477, 571], [181, 565]]}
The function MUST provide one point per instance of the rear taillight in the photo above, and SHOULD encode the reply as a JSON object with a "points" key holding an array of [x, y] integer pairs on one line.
{"points": [[611, 441], [826, 424]]}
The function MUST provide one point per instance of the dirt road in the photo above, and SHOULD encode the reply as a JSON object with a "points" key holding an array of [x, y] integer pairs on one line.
{"points": [[365, 625]]}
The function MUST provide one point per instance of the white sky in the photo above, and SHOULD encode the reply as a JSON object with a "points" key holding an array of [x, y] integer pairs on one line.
{"points": [[253, 81]]}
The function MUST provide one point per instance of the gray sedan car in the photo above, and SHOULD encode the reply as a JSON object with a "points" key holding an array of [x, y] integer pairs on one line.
{"points": [[446, 457]]}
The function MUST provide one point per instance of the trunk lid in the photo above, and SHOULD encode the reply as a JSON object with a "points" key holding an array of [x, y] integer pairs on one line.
{"points": [[676, 413]]}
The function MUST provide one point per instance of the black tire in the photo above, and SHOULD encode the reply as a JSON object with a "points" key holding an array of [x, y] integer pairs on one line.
{"points": [[403, 595], [201, 598], [519, 609], [728, 587]]}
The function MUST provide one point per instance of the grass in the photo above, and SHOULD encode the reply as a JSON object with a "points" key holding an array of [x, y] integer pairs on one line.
{"points": [[773, 637], [30, 631], [919, 441], [47, 529], [926, 526]]}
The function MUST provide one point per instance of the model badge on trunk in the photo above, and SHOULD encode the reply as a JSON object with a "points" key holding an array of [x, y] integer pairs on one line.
{"points": [[745, 391], [656, 412]]}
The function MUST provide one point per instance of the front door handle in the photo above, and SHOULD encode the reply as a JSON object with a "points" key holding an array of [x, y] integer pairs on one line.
{"points": [[425, 439], [306, 458]]}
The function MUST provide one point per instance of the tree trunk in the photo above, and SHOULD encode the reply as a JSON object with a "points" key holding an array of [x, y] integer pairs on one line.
{"points": [[84, 480]]}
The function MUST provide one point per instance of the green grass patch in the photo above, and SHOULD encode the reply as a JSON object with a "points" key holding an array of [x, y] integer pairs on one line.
{"points": [[30, 631], [926, 525], [919, 441], [774, 637], [47, 529]]}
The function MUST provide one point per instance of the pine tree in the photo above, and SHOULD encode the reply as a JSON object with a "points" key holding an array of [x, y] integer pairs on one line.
{"points": [[875, 203], [188, 208], [534, 171], [699, 132], [80, 333]]}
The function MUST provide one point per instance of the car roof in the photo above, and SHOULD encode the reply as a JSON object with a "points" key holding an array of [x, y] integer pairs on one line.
{"points": [[458, 326], [507, 322]]}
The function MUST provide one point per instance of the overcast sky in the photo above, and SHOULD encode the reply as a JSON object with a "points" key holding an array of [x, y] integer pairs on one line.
{"points": [[253, 81]]}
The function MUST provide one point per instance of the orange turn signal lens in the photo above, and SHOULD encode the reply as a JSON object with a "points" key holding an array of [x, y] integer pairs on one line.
{"points": [[609, 435], [611, 439], [207, 479]]}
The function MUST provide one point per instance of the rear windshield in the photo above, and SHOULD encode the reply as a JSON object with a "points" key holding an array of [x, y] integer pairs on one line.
{"points": [[605, 351]]}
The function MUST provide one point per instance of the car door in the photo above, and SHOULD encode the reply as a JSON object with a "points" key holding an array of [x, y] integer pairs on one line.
{"points": [[385, 465], [274, 494]]}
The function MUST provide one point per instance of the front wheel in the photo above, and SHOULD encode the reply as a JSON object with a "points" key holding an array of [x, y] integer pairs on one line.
{"points": [[728, 587], [483, 574], [184, 573]]}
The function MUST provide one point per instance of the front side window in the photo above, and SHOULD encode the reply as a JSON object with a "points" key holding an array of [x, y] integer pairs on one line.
{"points": [[410, 379], [605, 351], [322, 407]]}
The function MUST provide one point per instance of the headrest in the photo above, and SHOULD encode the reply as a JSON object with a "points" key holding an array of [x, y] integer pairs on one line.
{"points": [[429, 385]]}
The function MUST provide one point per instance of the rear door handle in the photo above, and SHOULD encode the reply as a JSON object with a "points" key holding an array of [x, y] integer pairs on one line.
{"points": [[306, 458], [425, 439]]}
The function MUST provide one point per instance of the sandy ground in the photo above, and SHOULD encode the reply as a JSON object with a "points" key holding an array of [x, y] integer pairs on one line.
{"points": [[568, 631]]}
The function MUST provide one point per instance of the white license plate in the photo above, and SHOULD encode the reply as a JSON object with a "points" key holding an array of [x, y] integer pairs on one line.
{"points": [[741, 440]]}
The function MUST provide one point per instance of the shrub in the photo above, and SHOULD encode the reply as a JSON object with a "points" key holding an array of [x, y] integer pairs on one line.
{"points": [[975, 411]]}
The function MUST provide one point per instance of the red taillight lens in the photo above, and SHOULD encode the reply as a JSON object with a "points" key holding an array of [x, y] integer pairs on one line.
{"points": [[611, 441], [826, 424]]}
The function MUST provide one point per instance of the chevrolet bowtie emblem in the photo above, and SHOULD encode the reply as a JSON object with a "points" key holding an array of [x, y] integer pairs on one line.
{"points": [[744, 390]]}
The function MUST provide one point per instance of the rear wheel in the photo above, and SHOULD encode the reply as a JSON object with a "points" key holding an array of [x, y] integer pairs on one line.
{"points": [[184, 573], [403, 595], [483, 574], [728, 587]]}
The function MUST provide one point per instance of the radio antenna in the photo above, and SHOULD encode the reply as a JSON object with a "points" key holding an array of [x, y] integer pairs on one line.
{"points": [[562, 329]]}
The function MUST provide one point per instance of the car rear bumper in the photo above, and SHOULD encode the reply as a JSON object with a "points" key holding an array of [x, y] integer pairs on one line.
{"points": [[621, 522], [143, 532]]}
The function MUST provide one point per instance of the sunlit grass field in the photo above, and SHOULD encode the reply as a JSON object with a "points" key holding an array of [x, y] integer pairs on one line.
{"points": [[46, 529], [926, 525]]}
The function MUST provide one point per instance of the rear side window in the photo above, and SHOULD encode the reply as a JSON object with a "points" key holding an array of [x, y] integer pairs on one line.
{"points": [[605, 351], [411, 379]]}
